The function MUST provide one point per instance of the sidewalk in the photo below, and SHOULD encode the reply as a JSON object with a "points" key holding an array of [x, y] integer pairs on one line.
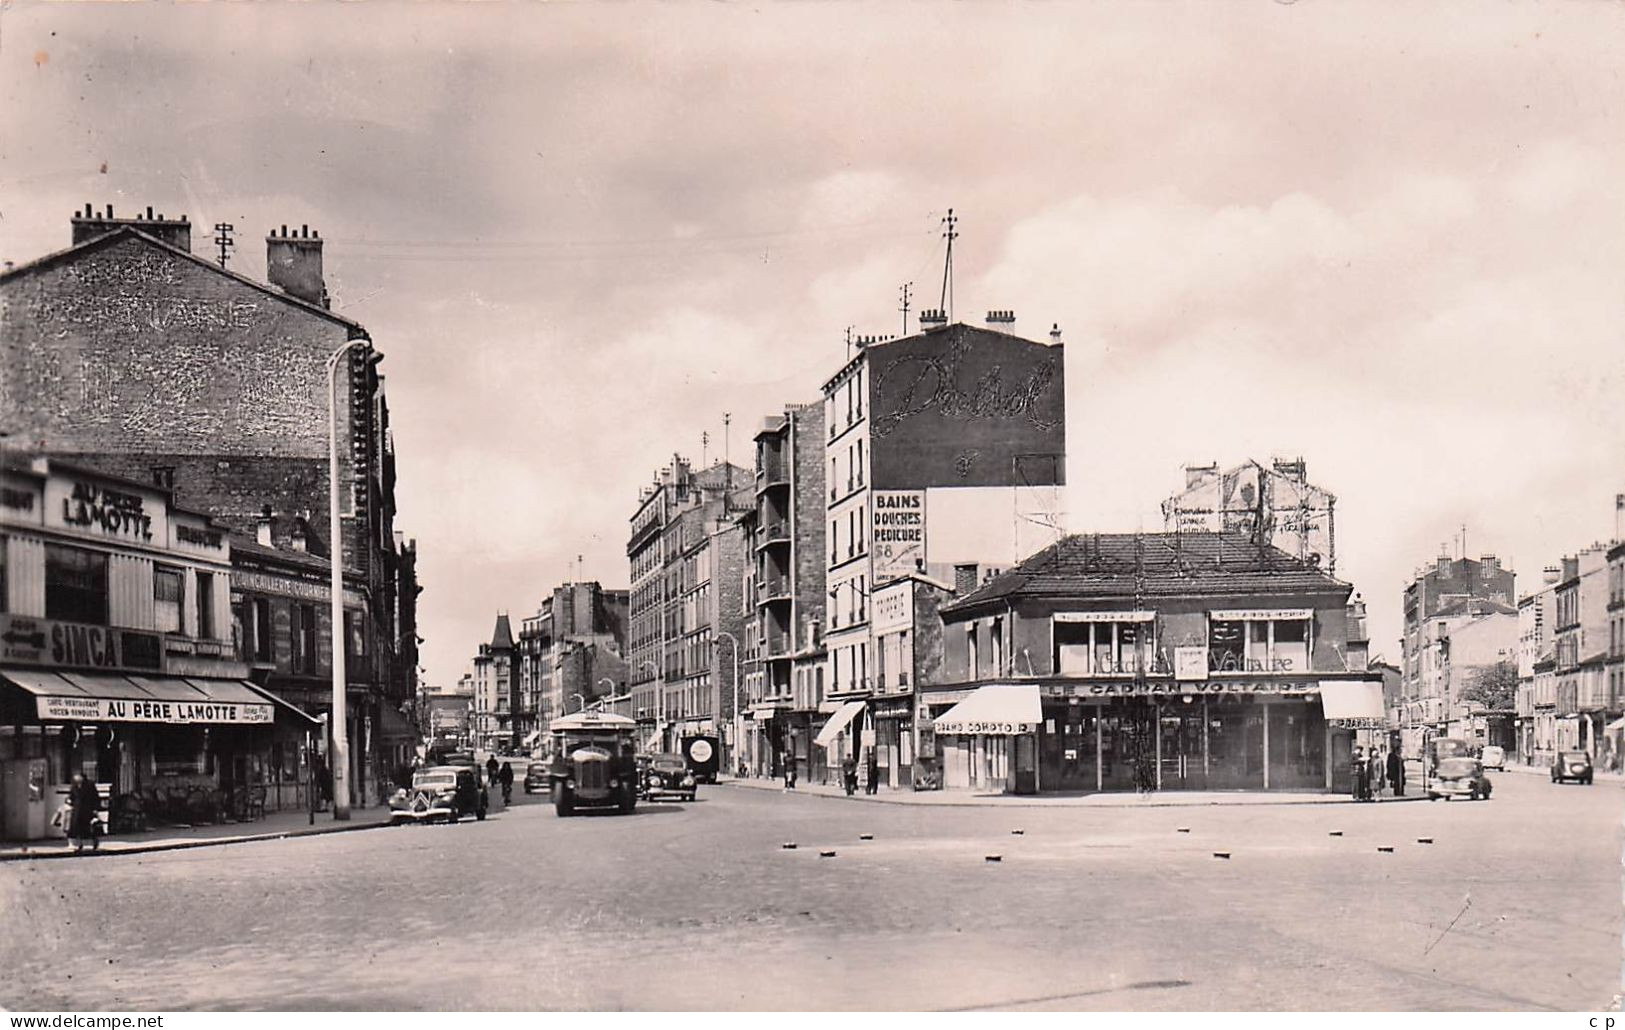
{"points": [[275, 826], [1115, 799]]}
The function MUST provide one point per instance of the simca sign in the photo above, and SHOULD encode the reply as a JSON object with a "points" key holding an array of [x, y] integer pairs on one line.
{"points": [[75, 645], [105, 709]]}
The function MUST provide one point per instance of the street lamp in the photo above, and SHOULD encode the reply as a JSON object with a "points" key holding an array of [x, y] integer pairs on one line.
{"points": [[660, 706], [733, 740], [335, 531], [581, 698]]}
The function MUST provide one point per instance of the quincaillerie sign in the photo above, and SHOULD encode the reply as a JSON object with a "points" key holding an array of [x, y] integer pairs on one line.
{"points": [[107, 709]]}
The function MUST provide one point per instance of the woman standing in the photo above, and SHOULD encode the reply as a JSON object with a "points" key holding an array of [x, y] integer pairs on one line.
{"points": [[85, 799]]}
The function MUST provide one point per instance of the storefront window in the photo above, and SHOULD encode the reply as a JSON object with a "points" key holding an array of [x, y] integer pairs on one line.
{"points": [[1226, 646], [167, 591], [1106, 648], [75, 585]]}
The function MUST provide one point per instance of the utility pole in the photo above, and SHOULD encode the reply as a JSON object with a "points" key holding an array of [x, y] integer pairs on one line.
{"points": [[904, 306], [950, 234], [223, 240], [705, 444], [727, 420]]}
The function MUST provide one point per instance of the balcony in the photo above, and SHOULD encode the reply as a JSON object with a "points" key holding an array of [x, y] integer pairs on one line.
{"points": [[773, 471], [773, 533]]}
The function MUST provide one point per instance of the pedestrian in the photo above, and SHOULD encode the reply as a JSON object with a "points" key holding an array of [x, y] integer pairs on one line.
{"points": [[1378, 766], [1357, 773], [873, 769], [1396, 772], [789, 770], [505, 777], [491, 768], [849, 774], [85, 799]]}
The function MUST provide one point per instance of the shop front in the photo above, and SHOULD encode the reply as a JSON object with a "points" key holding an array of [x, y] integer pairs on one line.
{"points": [[989, 739], [161, 749], [1255, 734], [894, 740], [840, 738]]}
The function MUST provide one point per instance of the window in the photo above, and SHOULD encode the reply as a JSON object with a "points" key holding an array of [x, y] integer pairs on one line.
{"points": [[262, 629], [355, 637], [3, 601], [970, 651], [998, 647], [75, 585], [858, 468], [168, 593], [205, 606], [859, 529], [304, 639], [851, 533]]}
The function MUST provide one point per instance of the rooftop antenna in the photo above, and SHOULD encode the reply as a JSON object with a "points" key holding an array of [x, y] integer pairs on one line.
{"points": [[849, 341], [950, 234], [727, 419], [223, 240], [705, 443], [904, 307]]}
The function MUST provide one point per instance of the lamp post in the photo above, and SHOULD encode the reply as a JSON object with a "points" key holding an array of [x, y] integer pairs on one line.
{"points": [[581, 698], [599, 704], [733, 738], [335, 530]]}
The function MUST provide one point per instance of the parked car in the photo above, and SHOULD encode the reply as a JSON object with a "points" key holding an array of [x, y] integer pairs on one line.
{"points": [[668, 776], [1572, 765], [446, 792], [536, 777], [1459, 777], [1493, 757]]}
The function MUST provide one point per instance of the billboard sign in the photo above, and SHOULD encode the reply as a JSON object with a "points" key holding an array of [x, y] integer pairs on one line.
{"points": [[897, 535], [967, 407]]}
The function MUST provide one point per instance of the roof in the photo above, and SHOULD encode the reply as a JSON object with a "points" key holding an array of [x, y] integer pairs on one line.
{"points": [[502, 636], [124, 232], [1156, 565], [245, 546], [949, 333], [1474, 606]]}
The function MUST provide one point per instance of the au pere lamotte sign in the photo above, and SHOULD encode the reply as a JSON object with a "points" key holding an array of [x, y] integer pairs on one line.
{"points": [[108, 709]]}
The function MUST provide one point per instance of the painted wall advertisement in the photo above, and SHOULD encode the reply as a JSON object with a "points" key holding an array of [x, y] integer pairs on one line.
{"points": [[897, 533]]}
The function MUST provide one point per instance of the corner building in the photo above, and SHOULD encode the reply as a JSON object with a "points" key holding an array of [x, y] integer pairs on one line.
{"points": [[1151, 661], [943, 448]]}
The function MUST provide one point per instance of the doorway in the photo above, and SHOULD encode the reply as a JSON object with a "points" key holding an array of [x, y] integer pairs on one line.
{"points": [[1181, 753]]}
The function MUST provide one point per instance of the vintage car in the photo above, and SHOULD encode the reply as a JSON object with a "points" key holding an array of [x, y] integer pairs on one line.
{"points": [[1572, 765], [536, 777], [1459, 777], [446, 792], [1494, 757], [703, 755], [668, 776], [593, 764]]}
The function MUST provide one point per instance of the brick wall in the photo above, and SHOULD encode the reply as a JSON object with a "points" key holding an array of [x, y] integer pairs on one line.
{"points": [[807, 502], [728, 589]]}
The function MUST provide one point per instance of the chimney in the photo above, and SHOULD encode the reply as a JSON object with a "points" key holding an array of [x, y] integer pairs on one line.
{"points": [[1295, 469], [300, 541], [293, 261], [1490, 562], [1550, 574], [1196, 475], [1055, 334], [966, 575], [1571, 566], [1003, 321], [262, 527], [932, 318], [89, 224]]}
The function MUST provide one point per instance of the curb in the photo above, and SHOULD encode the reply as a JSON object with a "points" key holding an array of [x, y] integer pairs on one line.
{"points": [[1336, 799], [182, 845]]}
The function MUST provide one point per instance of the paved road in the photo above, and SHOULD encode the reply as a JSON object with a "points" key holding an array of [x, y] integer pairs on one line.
{"points": [[697, 906]]}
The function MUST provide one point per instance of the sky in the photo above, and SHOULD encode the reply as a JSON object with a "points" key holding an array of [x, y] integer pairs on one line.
{"points": [[1386, 237]]}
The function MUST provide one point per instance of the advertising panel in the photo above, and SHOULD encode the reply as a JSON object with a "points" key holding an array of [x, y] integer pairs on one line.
{"points": [[967, 407], [897, 536]]}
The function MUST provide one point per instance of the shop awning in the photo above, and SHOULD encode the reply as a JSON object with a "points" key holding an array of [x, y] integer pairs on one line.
{"points": [[1617, 724], [1353, 703], [996, 709], [838, 722], [104, 697], [531, 738]]}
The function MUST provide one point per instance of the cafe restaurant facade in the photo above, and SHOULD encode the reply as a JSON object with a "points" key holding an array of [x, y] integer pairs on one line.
{"points": [[1155, 661], [117, 659]]}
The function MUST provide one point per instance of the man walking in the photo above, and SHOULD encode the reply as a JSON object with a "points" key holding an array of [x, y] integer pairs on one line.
{"points": [[1396, 772]]}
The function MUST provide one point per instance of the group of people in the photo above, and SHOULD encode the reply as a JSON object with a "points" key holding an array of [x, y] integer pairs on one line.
{"points": [[1371, 770], [849, 773], [502, 774]]}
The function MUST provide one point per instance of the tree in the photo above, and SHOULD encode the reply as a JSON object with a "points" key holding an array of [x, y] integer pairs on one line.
{"points": [[1492, 686]]}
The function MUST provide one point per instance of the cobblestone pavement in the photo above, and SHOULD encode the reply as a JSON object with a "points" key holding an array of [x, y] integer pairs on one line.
{"points": [[1515, 905]]}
